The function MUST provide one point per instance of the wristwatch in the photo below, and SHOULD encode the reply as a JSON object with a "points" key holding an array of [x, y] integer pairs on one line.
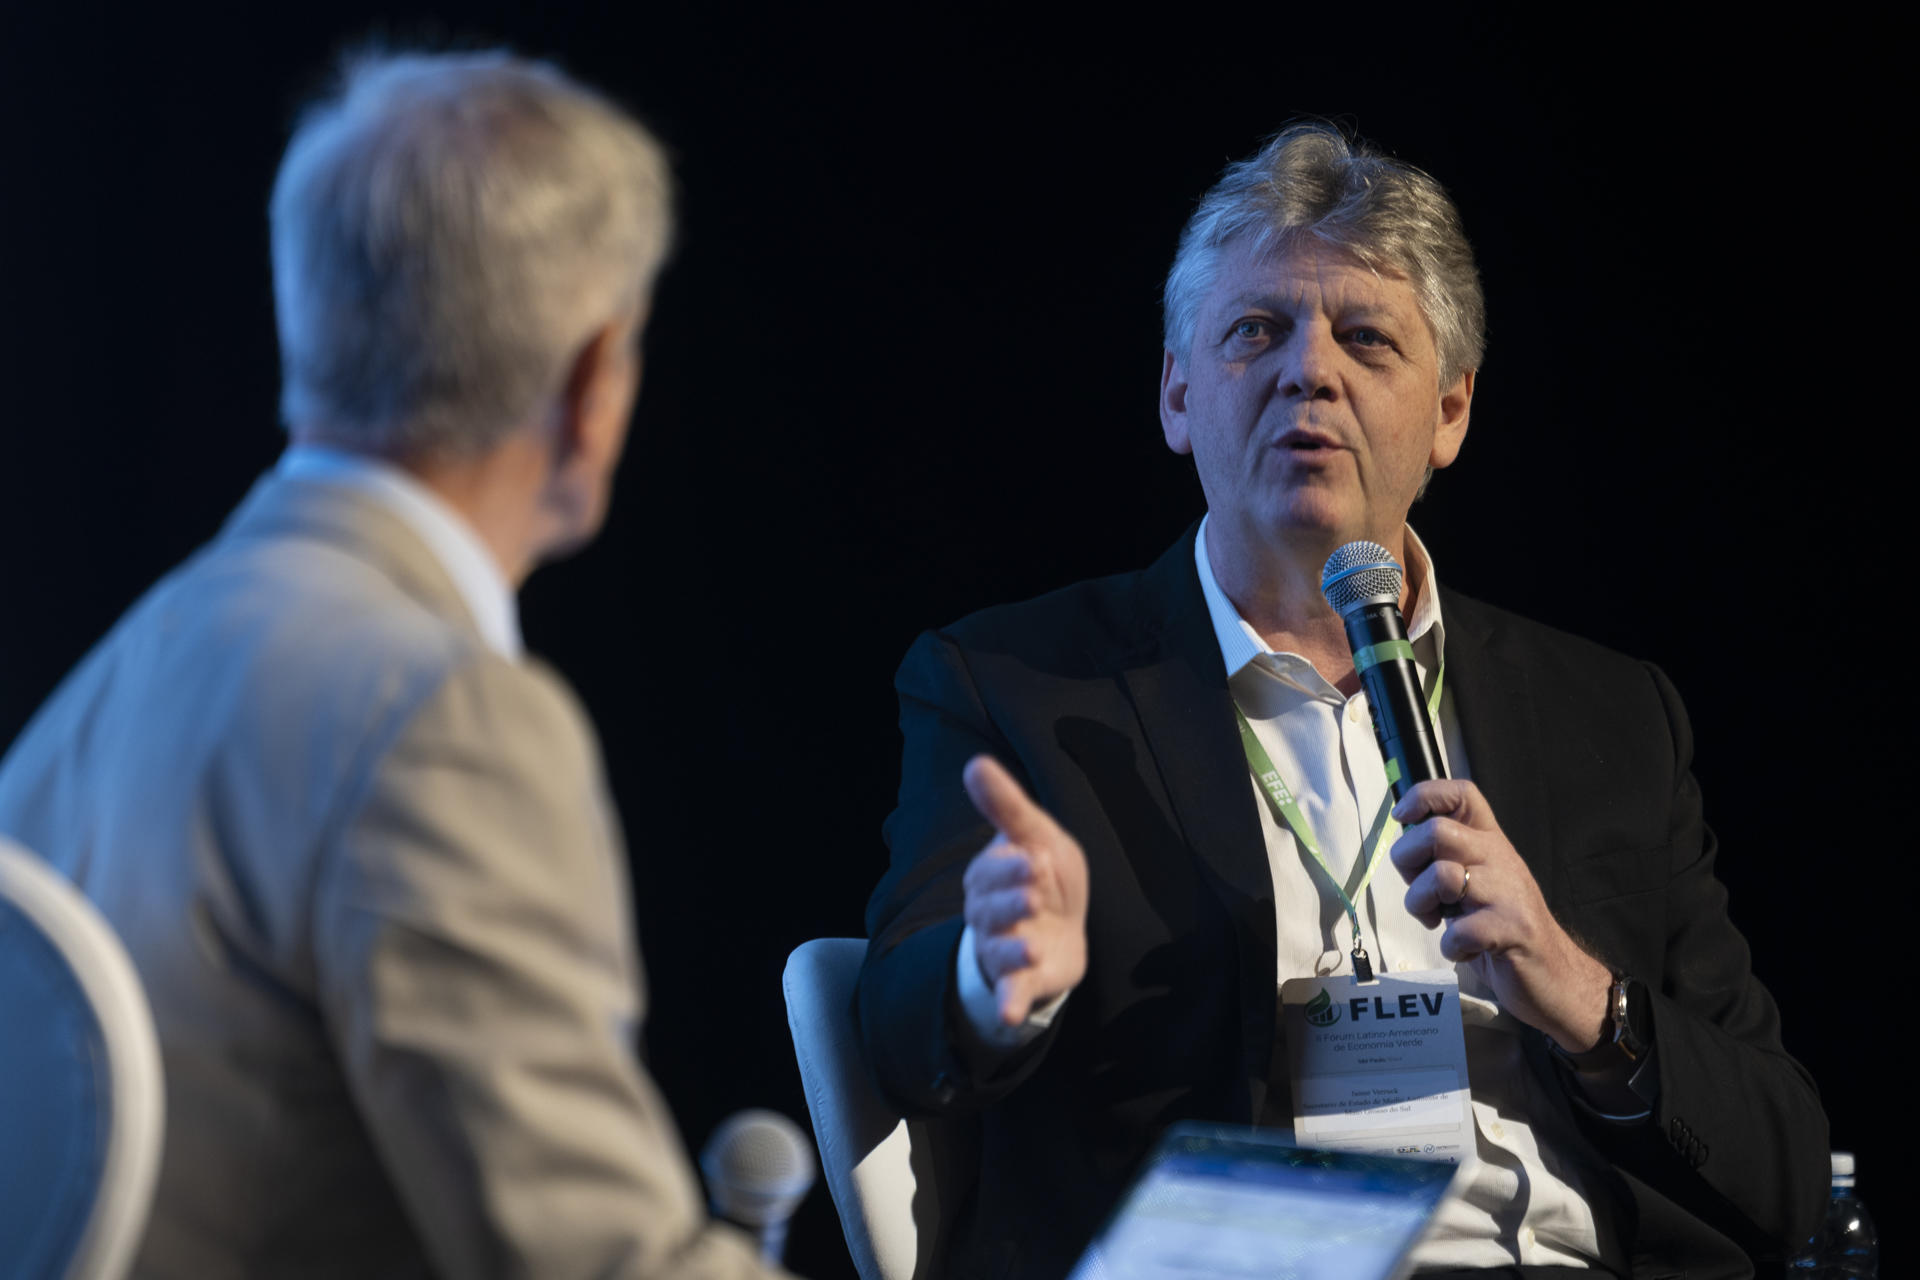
{"points": [[1626, 1035]]}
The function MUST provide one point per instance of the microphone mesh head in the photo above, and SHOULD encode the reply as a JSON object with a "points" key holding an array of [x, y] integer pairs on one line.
{"points": [[758, 1165], [1357, 573]]}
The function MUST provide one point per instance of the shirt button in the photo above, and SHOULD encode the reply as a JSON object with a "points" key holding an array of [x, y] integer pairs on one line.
{"points": [[1353, 712], [1528, 1236], [1496, 1130], [1403, 967]]}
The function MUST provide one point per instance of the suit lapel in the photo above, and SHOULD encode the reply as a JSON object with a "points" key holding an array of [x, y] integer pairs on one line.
{"points": [[1498, 723], [1178, 685]]}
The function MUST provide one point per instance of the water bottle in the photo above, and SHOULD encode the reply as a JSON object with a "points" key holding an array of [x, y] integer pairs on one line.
{"points": [[1847, 1247]]}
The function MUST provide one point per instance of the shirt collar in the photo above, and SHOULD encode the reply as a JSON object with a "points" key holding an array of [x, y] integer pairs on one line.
{"points": [[453, 542], [1241, 645]]}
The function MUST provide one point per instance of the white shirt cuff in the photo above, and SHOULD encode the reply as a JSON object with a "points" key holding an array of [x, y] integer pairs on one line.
{"points": [[983, 1011]]}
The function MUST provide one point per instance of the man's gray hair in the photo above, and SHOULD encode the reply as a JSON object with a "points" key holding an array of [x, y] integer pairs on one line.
{"points": [[1310, 180], [448, 231]]}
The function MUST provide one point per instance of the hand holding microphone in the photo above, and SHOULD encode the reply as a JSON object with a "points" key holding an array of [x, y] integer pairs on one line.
{"points": [[1460, 868]]}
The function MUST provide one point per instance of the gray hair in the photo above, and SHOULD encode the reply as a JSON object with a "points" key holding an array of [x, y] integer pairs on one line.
{"points": [[448, 230], [1310, 180]]}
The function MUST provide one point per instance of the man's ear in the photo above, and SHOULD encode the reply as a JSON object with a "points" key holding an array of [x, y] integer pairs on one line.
{"points": [[597, 398], [1173, 403], [1456, 402]]}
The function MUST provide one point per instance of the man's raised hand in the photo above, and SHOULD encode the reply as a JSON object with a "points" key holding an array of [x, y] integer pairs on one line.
{"points": [[1026, 896]]}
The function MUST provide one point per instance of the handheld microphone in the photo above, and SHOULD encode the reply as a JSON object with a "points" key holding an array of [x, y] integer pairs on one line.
{"points": [[1362, 584], [759, 1166]]}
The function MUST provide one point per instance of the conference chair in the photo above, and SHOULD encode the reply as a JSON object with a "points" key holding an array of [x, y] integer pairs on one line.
{"points": [[80, 1090], [897, 1183]]}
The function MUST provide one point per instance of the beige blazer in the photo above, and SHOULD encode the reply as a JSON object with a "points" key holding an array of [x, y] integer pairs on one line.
{"points": [[370, 874]]}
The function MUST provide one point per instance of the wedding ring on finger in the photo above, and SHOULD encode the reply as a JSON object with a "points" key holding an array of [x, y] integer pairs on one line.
{"points": [[1459, 904]]}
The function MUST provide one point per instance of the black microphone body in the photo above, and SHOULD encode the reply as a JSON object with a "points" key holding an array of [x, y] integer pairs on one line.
{"points": [[1362, 584], [1400, 721]]}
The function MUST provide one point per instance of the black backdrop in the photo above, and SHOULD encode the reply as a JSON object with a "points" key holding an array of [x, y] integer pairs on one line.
{"points": [[905, 365]]}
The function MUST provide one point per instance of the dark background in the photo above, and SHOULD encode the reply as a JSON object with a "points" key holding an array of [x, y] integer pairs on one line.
{"points": [[905, 366]]}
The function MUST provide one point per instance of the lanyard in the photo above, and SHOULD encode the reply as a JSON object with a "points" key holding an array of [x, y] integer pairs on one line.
{"points": [[1380, 836]]}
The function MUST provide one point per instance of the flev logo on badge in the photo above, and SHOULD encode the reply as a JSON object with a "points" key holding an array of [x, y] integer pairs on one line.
{"points": [[1379, 1066], [1321, 1011]]}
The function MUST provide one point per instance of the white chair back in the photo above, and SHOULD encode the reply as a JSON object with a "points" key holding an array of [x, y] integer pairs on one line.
{"points": [[81, 1101], [897, 1183]]}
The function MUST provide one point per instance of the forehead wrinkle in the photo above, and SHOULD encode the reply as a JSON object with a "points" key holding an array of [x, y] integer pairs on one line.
{"points": [[1243, 278], [1321, 261], [1402, 304]]}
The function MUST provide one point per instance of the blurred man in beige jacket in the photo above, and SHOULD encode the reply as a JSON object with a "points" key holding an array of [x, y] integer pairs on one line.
{"points": [[359, 846]]}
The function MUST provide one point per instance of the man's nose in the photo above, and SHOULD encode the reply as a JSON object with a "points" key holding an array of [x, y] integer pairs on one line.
{"points": [[1308, 371]]}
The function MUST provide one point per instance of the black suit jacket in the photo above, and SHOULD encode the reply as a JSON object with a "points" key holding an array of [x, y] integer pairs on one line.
{"points": [[1109, 701]]}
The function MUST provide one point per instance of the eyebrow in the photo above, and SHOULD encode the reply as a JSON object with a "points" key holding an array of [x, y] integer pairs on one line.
{"points": [[1281, 303]]}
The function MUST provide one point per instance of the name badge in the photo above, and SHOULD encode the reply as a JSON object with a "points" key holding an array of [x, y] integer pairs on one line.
{"points": [[1379, 1066]]}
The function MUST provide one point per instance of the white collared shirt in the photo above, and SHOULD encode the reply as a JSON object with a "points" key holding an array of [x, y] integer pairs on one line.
{"points": [[455, 545], [1530, 1153], [1322, 743]]}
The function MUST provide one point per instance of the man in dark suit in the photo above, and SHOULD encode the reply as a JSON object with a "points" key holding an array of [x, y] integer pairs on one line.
{"points": [[1085, 946]]}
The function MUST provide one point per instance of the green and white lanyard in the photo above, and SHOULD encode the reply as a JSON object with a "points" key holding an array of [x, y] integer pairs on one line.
{"points": [[1380, 835]]}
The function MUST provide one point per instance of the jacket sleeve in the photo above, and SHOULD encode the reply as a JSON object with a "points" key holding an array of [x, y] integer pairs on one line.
{"points": [[912, 1028], [479, 980], [1737, 1136]]}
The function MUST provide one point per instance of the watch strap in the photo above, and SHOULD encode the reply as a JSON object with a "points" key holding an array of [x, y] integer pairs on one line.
{"points": [[1624, 1039]]}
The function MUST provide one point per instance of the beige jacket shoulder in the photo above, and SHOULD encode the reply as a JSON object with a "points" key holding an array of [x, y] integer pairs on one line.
{"points": [[370, 875]]}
